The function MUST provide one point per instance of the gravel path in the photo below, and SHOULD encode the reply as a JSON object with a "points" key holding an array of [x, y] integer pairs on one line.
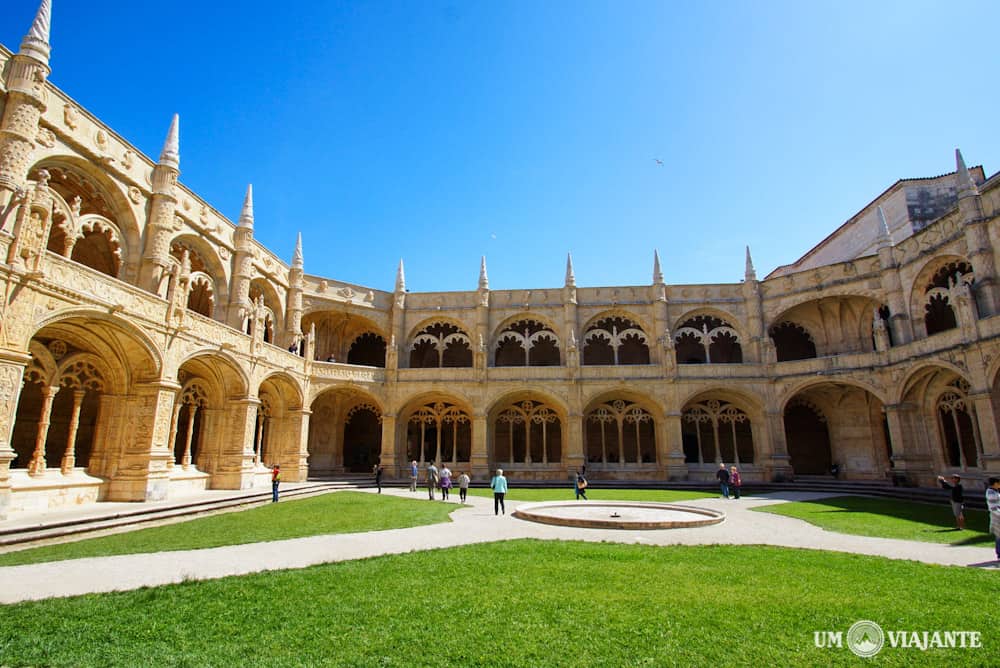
{"points": [[475, 524]]}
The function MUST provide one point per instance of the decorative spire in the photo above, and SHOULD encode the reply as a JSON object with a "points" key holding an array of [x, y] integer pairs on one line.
{"points": [[750, 275], [884, 237], [400, 278], [36, 43], [297, 259], [484, 282], [246, 215], [570, 276], [657, 272], [963, 179], [171, 153]]}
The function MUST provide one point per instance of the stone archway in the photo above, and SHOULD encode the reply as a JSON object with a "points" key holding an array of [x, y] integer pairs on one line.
{"points": [[838, 424], [345, 433], [807, 438]]}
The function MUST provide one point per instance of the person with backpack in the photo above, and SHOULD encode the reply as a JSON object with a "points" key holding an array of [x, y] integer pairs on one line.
{"points": [[432, 479], [581, 486], [275, 481]]}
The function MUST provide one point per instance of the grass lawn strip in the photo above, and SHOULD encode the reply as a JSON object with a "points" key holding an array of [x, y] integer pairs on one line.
{"points": [[888, 518], [566, 494], [336, 512], [520, 603]]}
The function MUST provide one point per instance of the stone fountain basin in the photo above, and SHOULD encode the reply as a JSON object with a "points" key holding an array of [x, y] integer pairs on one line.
{"points": [[618, 515]]}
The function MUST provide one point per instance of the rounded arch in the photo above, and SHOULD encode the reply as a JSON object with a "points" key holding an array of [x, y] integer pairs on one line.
{"points": [[619, 428], [922, 286], [716, 427], [426, 322], [204, 260], [274, 322], [67, 169], [925, 373], [336, 332], [518, 317], [220, 367], [288, 388], [438, 428], [526, 340], [345, 430], [743, 399], [143, 361], [804, 385], [705, 336], [619, 312], [648, 401], [527, 429], [511, 396], [729, 318], [615, 337]]}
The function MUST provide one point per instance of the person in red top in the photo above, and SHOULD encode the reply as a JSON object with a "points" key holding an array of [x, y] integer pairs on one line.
{"points": [[275, 479], [735, 482]]}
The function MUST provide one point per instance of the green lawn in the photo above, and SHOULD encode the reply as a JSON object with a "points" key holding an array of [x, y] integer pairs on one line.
{"points": [[520, 603], [888, 518], [338, 512], [566, 494]]}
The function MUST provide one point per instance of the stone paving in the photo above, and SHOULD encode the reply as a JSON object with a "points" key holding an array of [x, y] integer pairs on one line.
{"points": [[474, 524]]}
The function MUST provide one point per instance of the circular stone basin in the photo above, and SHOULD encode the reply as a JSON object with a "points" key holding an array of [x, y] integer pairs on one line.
{"points": [[618, 515]]}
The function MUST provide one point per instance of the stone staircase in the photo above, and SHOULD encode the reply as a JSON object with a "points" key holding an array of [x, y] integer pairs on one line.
{"points": [[17, 531]]}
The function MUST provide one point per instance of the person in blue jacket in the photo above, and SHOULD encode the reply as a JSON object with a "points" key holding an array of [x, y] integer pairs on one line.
{"points": [[499, 486]]}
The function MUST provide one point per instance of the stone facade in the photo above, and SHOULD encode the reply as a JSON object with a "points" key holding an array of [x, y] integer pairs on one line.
{"points": [[149, 347]]}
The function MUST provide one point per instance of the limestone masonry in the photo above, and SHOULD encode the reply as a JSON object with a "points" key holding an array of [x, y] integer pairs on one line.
{"points": [[149, 347]]}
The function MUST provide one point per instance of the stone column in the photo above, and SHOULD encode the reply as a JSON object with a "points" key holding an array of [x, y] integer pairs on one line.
{"points": [[387, 455], [37, 465], [989, 439], [781, 467], [911, 458], [141, 471], [670, 447], [12, 367], [575, 455], [235, 468], [186, 457], [480, 457], [172, 438], [69, 457], [296, 460]]}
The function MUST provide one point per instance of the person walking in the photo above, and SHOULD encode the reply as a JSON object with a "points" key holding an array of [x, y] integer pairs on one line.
{"points": [[275, 481], [723, 475], [463, 486], [993, 506], [735, 482], [378, 477], [414, 472], [432, 479], [499, 486], [581, 486], [445, 482], [957, 498]]}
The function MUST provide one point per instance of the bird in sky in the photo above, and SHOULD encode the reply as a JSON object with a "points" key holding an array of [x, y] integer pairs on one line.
{"points": [[658, 161]]}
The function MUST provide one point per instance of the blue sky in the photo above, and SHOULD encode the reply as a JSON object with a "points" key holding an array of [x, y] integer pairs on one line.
{"points": [[442, 131]]}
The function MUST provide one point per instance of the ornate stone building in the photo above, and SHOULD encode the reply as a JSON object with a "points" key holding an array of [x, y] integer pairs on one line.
{"points": [[149, 347]]}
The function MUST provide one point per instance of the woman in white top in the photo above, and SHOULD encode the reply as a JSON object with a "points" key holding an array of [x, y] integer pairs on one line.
{"points": [[993, 506]]}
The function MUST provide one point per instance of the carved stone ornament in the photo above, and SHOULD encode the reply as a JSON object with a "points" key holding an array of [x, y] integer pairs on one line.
{"points": [[223, 252], [71, 117], [46, 138], [101, 138], [134, 194], [58, 348], [128, 159]]}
